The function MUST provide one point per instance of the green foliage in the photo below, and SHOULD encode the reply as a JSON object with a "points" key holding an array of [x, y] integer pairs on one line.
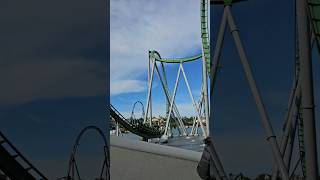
{"points": [[227, 2]]}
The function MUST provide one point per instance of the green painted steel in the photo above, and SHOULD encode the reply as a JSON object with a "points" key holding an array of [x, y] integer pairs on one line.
{"points": [[301, 142], [314, 15], [148, 132], [204, 11], [138, 128], [157, 57], [227, 2], [314, 10], [166, 86]]}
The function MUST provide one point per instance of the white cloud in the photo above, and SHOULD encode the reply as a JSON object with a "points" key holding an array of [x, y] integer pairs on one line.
{"points": [[125, 86], [170, 27]]}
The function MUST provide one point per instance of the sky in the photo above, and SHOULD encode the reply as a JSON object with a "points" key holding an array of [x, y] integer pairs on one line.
{"points": [[53, 68], [53, 80], [267, 32], [139, 26], [172, 28]]}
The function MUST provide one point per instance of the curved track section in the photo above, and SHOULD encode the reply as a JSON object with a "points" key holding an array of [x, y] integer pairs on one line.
{"points": [[73, 168], [139, 129], [14, 164], [133, 108], [157, 57]]}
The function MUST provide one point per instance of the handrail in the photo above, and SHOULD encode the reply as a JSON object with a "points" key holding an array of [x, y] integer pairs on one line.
{"points": [[6, 140]]}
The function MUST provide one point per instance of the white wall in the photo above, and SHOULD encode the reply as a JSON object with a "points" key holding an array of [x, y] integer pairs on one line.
{"points": [[135, 160]]}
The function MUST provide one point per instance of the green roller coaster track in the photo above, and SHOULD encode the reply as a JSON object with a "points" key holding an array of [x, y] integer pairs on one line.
{"points": [[139, 129], [301, 142], [157, 57], [148, 132]]}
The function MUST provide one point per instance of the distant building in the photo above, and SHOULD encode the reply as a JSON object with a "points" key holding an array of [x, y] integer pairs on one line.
{"points": [[158, 121]]}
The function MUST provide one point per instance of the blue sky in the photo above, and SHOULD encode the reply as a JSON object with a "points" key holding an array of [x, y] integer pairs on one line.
{"points": [[267, 31], [139, 26], [53, 80]]}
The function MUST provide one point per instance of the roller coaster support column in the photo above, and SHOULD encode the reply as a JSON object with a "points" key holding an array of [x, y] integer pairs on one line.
{"points": [[213, 72], [205, 94], [117, 129], [288, 136], [287, 140], [288, 149], [307, 100], [172, 101], [205, 77], [193, 102], [217, 53], [295, 105], [149, 92], [271, 138], [149, 78], [175, 112]]}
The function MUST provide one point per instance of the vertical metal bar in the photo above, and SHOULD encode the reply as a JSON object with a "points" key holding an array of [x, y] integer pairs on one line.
{"points": [[205, 92], [168, 97], [193, 125], [290, 143], [149, 91], [288, 127], [197, 127], [192, 99], [217, 52], [150, 105], [216, 59], [117, 129], [172, 100], [201, 109], [204, 69], [196, 121], [271, 138], [307, 101], [149, 74], [175, 109], [287, 143], [166, 83]]}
